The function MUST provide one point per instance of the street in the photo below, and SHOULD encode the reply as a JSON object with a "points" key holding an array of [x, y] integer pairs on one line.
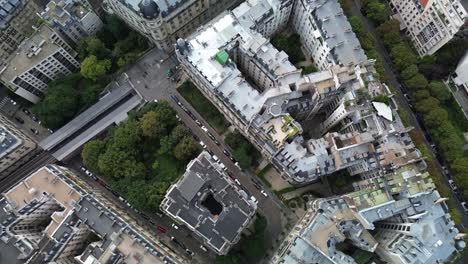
{"points": [[402, 102], [150, 80]]}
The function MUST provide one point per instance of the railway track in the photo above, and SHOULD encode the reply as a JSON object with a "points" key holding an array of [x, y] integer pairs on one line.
{"points": [[41, 159]]}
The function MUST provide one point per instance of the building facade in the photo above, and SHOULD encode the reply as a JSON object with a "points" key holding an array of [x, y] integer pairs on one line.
{"points": [[52, 216], [210, 204], [162, 21], [268, 99], [15, 146], [326, 34], [399, 216], [431, 23], [460, 76], [16, 21], [72, 19], [39, 60]]}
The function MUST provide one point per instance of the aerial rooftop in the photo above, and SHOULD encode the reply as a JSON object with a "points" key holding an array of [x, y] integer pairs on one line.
{"points": [[8, 141], [209, 203], [410, 218], [68, 214]]}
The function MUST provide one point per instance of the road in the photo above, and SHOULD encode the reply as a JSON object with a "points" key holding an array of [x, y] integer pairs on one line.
{"points": [[402, 102], [22, 117], [151, 221], [150, 79]]}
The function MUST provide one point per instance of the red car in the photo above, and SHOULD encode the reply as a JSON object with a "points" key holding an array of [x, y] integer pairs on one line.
{"points": [[161, 229]]}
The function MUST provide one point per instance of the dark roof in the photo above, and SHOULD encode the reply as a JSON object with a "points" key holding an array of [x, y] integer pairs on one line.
{"points": [[149, 9]]}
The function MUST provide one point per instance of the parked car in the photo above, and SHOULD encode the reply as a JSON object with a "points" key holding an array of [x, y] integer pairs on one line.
{"points": [[202, 144], [161, 229], [26, 111], [254, 200], [264, 193], [19, 120], [189, 252], [203, 248], [204, 129], [465, 207], [35, 119], [226, 152], [215, 158], [223, 167], [198, 122], [238, 182], [175, 226], [35, 131], [452, 185]]}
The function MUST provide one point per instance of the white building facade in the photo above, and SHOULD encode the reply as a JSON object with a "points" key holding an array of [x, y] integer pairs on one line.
{"points": [[431, 23]]}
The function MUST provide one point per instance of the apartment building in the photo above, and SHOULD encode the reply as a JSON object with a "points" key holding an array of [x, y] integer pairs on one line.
{"points": [[39, 60], [400, 217], [54, 217], [266, 98], [16, 20], [164, 21], [431, 24], [210, 204], [15, 146], [326, 35], [72, 19], [460, 76]]}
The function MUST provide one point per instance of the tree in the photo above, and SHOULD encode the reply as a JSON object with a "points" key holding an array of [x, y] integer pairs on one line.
{"points": [[381, 98], [89, 94], [111, 163], [91, 152], [377, 12], [403, 56], [92, 68], [115, 26], [149, 124], [242, 156], [417, 82], [421, 95], [436, 116], [390, 32], [439, 91], [126, 137], [179, 132], [166, 145], [134, 169], [59, 105], [460, 170], [426, 105], [357, 24], [96, 47], [409, 72], [186, 149]]}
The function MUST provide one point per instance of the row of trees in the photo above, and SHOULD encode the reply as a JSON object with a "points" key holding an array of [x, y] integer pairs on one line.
{"points": [[432, 98], [243, 151], [112, 48], [143, 156]]}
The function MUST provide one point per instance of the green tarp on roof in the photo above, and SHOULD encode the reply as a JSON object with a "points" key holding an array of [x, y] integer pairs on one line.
{"points": [[222, 57]]}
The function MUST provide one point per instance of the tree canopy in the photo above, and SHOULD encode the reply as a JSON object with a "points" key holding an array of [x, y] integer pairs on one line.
{"points": [[137, 163]]}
